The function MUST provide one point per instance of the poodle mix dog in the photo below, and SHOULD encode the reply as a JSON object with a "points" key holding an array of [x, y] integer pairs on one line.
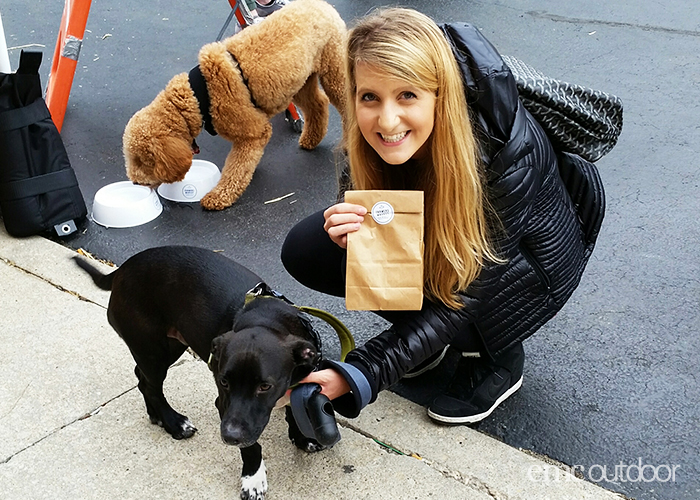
{"points": [[249, 77]]}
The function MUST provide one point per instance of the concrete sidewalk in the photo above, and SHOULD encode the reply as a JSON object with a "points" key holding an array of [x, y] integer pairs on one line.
{"points": [[73, 424]]}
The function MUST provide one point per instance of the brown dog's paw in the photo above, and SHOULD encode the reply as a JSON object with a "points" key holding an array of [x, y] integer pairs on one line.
{"points": [[215, 200], [309, 141]]}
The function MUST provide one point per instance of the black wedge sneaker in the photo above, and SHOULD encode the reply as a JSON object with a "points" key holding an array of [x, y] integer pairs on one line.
{"points": [[478, 386]]}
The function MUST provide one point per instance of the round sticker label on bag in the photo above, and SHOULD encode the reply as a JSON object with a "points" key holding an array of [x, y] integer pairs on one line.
{"points": [[382, 212]]}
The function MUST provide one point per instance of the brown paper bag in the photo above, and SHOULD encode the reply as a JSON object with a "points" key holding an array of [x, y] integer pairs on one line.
{"points": [[385, 256]]}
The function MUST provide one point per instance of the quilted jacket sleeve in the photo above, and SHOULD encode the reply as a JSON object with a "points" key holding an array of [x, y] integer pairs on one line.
{"points": [[416, 335]]}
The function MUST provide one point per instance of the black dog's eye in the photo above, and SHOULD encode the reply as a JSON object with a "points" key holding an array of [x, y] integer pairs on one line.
{"points": [[264, 387], [223, 382]]}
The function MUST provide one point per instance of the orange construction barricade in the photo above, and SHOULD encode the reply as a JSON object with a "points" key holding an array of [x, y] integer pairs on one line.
{"points": [[65, 58]]}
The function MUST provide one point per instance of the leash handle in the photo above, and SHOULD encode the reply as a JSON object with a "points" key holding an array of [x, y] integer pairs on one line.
{"points": [[314, 415]]}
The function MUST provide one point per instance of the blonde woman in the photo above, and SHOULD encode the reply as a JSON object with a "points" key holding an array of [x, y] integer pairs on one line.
{"points": [[434, 108]]}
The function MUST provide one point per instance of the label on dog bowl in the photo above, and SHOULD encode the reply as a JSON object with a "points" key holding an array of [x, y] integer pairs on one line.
{"points": [[382, 212], [156, 203], [189, 191]]}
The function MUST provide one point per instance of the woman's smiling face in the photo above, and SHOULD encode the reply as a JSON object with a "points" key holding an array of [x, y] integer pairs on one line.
{"points": [[395, 117]]}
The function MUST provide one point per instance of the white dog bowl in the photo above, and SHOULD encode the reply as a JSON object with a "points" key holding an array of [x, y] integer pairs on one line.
{"points": [[200, 179], [124, 204]]}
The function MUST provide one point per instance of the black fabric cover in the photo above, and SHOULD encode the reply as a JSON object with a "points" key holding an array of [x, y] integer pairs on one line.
{"points": [[38, 187]]}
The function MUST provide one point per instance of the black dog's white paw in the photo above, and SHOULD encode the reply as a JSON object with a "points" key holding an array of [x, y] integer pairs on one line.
{"points": [[254, 487], [155, 421], [307, 445], [183, 429], [187, 429], [313, 447]]}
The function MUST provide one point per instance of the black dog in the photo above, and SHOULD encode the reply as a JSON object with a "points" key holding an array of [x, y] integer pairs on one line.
{"points": [[166, 299]]}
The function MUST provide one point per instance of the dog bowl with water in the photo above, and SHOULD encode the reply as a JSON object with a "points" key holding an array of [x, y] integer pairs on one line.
{"points": [[124, 204]]}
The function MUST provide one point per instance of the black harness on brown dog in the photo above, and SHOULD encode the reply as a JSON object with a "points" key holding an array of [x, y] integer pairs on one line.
{"points": [[245, 80], [199, 87]]}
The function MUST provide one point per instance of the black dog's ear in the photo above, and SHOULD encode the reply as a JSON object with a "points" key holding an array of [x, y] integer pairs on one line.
{"points": [[305, 356], [214, 353], [304, 352]]}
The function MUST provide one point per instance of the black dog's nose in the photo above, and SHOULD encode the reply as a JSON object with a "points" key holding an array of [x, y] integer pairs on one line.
{"points": [[233, 435]]}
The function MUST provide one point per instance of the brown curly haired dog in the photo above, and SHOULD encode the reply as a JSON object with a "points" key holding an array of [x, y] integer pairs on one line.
{"points": [[250, 77]]}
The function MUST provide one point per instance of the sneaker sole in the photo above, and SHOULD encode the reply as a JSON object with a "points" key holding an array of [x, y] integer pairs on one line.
{"points": [[472, 419], [429, 367]]}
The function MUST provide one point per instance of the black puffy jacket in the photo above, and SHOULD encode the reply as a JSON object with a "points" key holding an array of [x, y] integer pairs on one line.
{"points": [[550, 221]]}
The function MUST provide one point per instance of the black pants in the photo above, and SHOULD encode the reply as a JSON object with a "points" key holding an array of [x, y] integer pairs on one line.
{"points": [[311, 257]]}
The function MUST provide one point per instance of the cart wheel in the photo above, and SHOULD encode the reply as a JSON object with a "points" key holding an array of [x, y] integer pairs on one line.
{"points": [[298, 124]]}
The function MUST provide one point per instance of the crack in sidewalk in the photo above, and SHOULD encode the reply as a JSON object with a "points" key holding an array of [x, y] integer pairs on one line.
{"points": [[48, 281], [87, 415], [469, 481]]}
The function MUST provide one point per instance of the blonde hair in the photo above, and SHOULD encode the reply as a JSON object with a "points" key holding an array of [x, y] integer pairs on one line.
{"points": [[409, 46]]}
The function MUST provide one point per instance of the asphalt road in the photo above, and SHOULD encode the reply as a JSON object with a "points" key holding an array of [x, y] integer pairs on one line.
{"points": [[611, 381]]}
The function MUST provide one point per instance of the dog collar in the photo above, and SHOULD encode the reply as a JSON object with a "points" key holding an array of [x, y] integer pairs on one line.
{"points": [[211, 355], [347, 341]]}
